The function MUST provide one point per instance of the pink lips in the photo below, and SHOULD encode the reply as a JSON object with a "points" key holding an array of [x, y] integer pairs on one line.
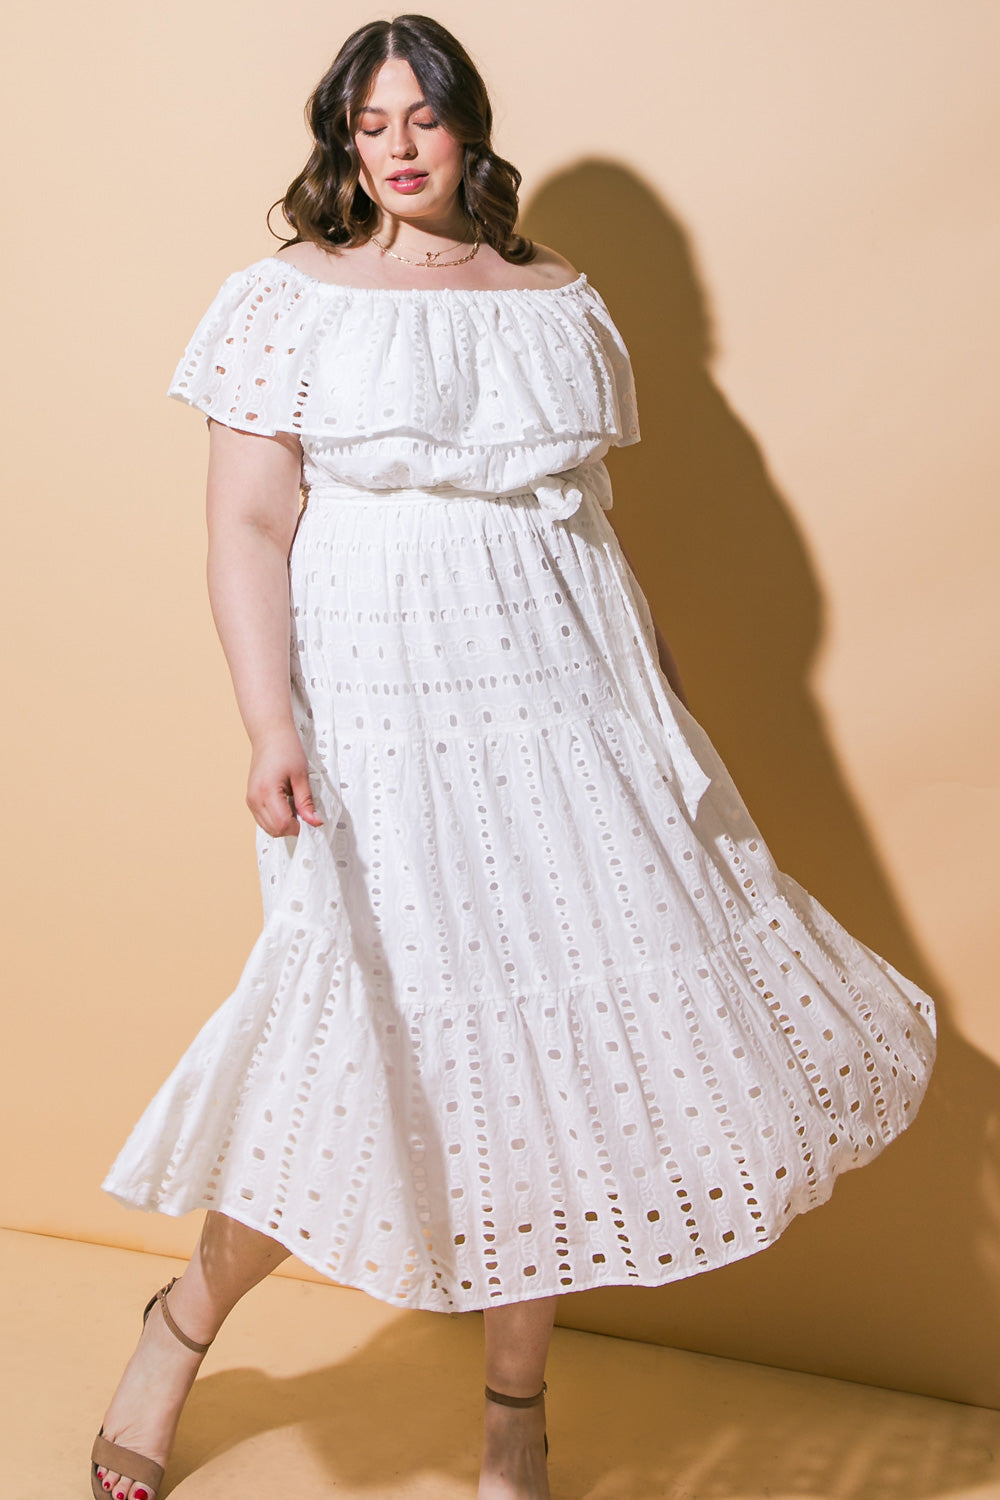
{"points": [[408, 182]]}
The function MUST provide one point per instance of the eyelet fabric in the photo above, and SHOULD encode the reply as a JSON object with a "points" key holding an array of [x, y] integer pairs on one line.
{"points": [[534, 1010]]}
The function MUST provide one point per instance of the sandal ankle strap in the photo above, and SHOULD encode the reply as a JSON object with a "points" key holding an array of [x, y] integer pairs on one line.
{"points": [[502, 1400], [161, 1298]]}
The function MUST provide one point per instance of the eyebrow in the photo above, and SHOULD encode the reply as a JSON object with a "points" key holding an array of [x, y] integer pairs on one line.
{"points": [[373, 109]]}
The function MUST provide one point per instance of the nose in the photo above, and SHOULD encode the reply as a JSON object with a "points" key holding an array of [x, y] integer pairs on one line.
{"points": [[403, 145]]}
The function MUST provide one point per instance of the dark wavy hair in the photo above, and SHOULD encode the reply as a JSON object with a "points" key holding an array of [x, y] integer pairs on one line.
{"points": [[325, 202]]}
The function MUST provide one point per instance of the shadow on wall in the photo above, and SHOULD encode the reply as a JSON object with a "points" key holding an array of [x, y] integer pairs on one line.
{"points": [[896, 1281], [401, 1415]]}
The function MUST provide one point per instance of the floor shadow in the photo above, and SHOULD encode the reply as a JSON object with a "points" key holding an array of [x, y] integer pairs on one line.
{"points": [[904, 1260], [624, 1424]]}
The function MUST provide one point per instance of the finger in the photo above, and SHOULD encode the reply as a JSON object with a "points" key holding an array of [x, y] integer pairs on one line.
{"points": [[274, 813], [282, 812], [302, 800]]}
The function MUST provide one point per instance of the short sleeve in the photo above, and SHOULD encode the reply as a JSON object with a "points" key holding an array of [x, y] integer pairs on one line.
{"points": [[243, 365], [625, 421]]}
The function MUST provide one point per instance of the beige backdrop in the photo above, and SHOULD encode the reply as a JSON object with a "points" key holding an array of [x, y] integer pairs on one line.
{"points": [[789, 209]]}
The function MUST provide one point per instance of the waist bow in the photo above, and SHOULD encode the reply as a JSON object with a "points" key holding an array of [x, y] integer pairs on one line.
{"points": [[562, 494]]}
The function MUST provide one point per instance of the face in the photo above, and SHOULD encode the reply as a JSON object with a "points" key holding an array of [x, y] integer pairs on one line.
{"points": [[411, 167]]}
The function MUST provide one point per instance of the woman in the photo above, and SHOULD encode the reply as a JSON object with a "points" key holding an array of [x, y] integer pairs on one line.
{"points": [[532, 1010]]}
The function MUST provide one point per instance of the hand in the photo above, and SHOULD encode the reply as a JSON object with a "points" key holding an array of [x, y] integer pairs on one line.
{"points": [[278, 791]]}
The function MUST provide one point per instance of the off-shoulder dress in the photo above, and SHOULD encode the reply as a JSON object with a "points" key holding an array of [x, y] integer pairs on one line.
{"points": [[534, 1010]]}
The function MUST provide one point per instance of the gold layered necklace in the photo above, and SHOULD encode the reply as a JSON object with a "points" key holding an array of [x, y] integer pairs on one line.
{"points": [[431, 261]]}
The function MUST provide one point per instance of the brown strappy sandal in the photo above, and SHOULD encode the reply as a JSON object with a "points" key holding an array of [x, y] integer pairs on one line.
{"points": [[521, 1401], [109, 1456]]}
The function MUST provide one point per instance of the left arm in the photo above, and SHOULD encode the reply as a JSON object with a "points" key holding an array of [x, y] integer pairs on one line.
{"points": [[667, 662], [669, 666]]}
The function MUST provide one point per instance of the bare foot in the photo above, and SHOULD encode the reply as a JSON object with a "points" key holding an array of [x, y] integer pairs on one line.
{"points": [[514, 1466], [146, 1407]]}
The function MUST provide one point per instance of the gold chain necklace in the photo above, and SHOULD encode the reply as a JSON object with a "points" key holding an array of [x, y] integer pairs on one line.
{"points": [[431, 263]]}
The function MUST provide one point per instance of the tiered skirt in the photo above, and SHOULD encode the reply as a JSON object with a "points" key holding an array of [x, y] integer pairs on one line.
{"points": [[534, 1010]]}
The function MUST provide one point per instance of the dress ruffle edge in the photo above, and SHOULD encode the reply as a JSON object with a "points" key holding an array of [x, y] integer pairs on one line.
{"points": [[279, 351]]}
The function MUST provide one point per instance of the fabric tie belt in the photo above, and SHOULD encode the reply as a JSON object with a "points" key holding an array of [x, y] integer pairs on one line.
{"points": [[559, 494]]}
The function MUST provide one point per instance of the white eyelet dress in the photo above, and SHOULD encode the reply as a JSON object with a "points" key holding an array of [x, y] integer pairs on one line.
{"points": [[534, 1010]]}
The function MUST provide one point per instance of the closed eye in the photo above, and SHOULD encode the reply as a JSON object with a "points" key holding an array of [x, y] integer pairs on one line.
{"points": [[431, 125]]}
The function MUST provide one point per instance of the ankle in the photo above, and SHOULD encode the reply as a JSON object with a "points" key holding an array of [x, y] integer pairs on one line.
{"points": [[195, 1313], [509, 1393]]}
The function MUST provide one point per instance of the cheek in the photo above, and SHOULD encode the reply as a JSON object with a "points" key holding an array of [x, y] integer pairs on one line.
{"points": [[448, 153], [366, 150]]}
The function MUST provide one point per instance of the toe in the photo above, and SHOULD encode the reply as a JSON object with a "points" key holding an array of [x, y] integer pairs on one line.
{"points": [[109, 1479], [141, 1492]]}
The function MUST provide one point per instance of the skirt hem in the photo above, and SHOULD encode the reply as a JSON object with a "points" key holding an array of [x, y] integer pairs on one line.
{"points": [[444, 1303]]}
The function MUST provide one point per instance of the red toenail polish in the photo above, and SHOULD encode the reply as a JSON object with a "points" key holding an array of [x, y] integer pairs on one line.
{"points": [[141, 1495]]}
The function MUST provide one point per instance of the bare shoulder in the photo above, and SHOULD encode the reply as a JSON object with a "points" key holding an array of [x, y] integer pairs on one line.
{"points": [[307, 256], [551, 268]]}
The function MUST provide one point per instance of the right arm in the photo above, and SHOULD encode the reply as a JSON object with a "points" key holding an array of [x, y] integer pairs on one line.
{"points": [[253, 509]]}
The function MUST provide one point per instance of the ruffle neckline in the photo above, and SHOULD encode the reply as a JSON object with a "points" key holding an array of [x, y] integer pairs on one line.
{"points": [[579, 284], [410, 386]]}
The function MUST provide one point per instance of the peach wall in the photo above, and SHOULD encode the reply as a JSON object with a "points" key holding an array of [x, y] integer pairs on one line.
{"points": [[790, 210]]}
